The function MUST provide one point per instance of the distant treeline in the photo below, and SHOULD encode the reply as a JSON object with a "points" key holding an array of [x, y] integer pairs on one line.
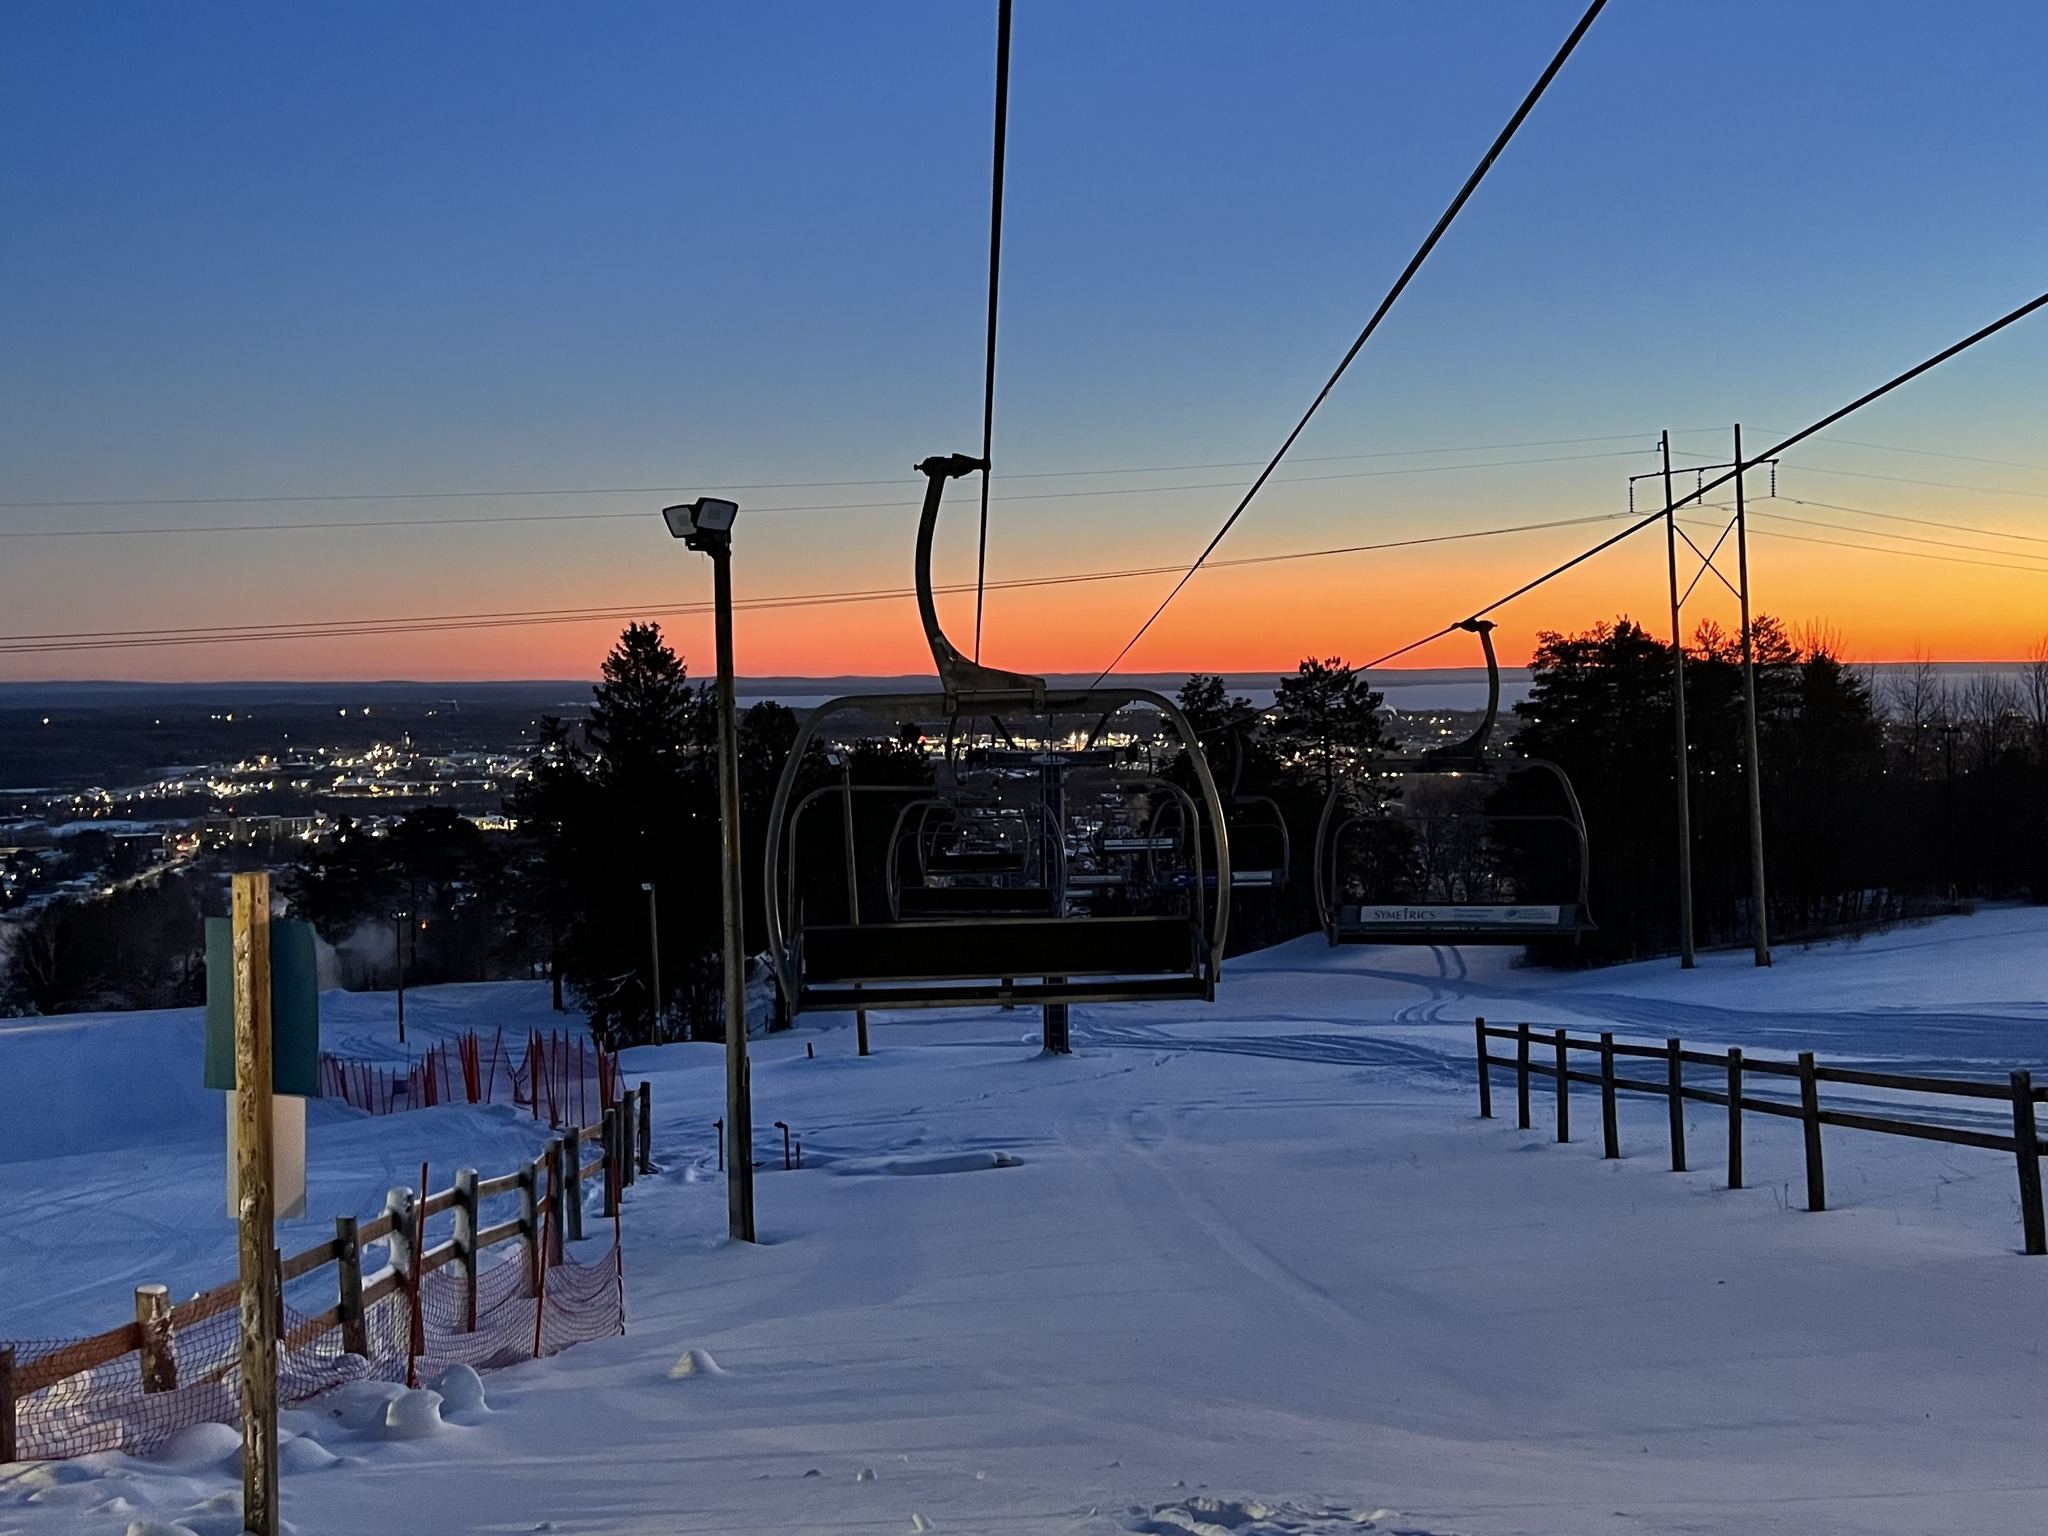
{"points": [[1876, 807]]}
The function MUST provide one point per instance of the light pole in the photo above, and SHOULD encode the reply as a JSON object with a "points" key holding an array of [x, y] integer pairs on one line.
{"points": [[400, 921], [706, 525], [844, 763], [654, 951]]}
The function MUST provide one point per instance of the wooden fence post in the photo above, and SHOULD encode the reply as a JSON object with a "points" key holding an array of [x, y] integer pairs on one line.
{"points": [[2027, 1146], [1809, 1114], [1675, 1087], [1610, 1128], [572, 1182], [398, 1204], [465, 1242], [1522, 1075], [348, 1274], [621, 1146], [529, 1224], [646, 1126], [1734, 1118], [1564, 1087], [158, 1360], [1485, 1076], [614, 1120], [9, 1450], [557, 1202]]}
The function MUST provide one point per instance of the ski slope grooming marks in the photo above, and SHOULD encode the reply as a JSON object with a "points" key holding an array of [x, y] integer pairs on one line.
{"points": [[1256, 1269]]}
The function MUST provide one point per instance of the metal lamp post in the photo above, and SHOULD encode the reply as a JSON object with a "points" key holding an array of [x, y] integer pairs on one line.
{"points": [[844, 763], [706, 525], [654, 951], [400, 921]]}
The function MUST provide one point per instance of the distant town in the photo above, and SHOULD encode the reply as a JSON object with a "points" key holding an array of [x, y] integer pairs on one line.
{"points": [[124, 784], [84, 808]]}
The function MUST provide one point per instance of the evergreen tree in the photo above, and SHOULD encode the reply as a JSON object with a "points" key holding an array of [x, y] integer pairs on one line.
{"points": [[1326, 718]]}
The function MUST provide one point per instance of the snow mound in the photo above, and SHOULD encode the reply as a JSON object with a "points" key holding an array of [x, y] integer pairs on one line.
{"points": [[220, 1515], [1206, 1516], [462, 1394], [200, 1442], [301, 1454], [158, 1528], [695, 1362], [359, 1405], [413, 1415]]}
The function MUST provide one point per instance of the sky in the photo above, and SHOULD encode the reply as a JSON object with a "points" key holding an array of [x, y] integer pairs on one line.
{"points": [[498, 281]]}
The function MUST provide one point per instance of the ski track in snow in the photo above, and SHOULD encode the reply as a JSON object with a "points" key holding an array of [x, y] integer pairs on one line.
{"points": [[1254, 1269]]}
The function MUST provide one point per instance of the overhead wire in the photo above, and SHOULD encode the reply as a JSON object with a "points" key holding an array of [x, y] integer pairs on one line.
{"points": [[1700, 491], [787, 485], [515, 618], [153, 530], [1923, 522], [1415, 262]]}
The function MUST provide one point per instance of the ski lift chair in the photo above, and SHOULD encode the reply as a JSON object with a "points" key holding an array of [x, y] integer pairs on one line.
{"points": [[975, 918], [1429, 921]]}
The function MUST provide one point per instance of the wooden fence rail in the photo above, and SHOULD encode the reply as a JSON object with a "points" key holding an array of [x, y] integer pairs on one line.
{"points": [[2023, 1142], [150, 1336]]}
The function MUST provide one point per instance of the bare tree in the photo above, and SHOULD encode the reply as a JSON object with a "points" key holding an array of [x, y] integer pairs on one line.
{"points": [[1989, 710], [2034, 696], [1914, 699]]}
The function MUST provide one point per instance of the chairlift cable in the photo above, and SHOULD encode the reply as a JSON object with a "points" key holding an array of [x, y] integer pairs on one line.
{"points": [[1415, 262], [995, 270], [1729, 474]]}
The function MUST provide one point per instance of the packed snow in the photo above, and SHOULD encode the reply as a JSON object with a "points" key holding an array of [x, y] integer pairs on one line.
{"points": [[1256, 1269]]}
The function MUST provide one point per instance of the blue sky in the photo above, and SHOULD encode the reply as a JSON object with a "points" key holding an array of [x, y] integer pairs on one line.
{"points": [[252, 250]]}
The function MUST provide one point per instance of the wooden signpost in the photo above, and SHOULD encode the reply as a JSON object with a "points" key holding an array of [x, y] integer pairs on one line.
{"points": [[263, 1049], [256, 1214]]}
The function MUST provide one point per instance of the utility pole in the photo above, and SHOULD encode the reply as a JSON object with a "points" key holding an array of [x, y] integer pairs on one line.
{"points": [[1686, 958], [706, 525], [256, 1207], [1759, 925], [654, 952]]}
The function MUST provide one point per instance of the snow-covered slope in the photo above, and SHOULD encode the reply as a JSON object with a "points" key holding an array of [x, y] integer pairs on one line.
{"points": [[1263, 1252]]}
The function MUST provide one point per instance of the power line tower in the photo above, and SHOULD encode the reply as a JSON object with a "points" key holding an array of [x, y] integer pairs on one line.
{"points": [[1674, 534]]}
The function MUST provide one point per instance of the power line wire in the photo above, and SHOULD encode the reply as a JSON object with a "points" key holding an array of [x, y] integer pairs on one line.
{"points": [[170, 530], [344, 628], [1923, 522], [1945, 485], [1415, 262], [1728, 475], [796, 485]]}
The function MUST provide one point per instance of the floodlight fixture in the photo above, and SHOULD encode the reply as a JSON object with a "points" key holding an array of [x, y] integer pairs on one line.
{"points": [[702, 522]]}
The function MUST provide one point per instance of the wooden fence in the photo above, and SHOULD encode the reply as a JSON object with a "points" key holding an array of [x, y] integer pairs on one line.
{"points": [[549, 1192], [2023, 1143]]}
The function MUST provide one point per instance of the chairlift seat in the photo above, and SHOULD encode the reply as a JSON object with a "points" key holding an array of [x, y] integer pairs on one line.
{"points": [[1048, 959], [917, 902]]}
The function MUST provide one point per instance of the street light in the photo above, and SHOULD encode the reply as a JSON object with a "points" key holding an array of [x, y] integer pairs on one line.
{"points": [[654, 948], [705, 525]]}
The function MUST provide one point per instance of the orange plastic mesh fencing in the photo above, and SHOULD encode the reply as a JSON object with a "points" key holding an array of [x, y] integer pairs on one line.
{"points": [[562, 1078], [104, 1407]]}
